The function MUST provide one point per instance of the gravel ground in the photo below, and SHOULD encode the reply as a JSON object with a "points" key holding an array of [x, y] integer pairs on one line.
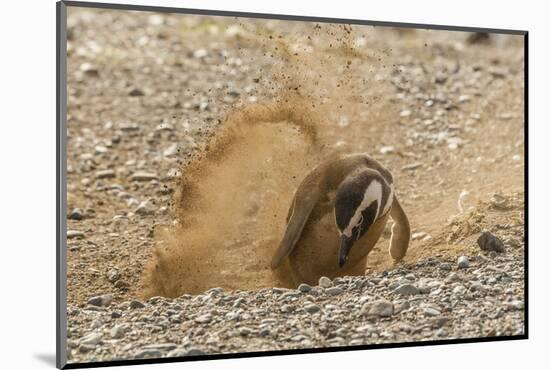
{"points": [[433, 299]]}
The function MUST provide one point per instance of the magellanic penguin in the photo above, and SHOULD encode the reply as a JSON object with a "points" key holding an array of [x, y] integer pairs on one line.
{"points": [[337, 215]]}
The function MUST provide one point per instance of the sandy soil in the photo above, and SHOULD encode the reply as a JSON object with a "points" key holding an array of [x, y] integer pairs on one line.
{"points": [[148, 93]]}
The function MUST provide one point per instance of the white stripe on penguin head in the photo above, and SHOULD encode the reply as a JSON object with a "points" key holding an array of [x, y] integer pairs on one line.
{"points": [[373, 192]]}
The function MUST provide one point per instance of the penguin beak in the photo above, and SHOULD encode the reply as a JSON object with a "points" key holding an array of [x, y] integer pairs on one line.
{"points": [[345, 246]]}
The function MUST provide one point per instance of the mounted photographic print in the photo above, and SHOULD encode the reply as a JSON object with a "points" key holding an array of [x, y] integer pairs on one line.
{"points": [[235, 184]]}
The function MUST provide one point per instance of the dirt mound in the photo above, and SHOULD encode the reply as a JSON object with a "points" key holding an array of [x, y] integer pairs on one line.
{"points": [[501, 209], [233, 197], [231, 207]]}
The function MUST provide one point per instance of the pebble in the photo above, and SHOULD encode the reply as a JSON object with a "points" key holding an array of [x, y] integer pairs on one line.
{"points": [[71, 234], [400, 307], [195, 352], [184, 352], [476, 286], [204, 319], [145, 208], [100, 149], [418, 235], [440, 78], [454, 142], [76, 214], [325, 282], [171, 150], [299, 338], [96, 324], [334, 290], [489, 242], [117, 332], [516, 305], [244, 331], [91, 339], [238, 302], [412, 166], [463, 262], [144, 176], [113, 275], [129, 127], [161, 346], [387, 150], [102, 300], [89, 69], [200, 53], [105, 174], [233, 315], [407, 289], [304, 288], [136, 92], [382, 308], [155, 19], [121, 284], [148, 353], [312, 308], [430, 311], [438, 322], [85, 348], [463, 98], [459, 289], [135, 304], [290, 294], [116, 314]]}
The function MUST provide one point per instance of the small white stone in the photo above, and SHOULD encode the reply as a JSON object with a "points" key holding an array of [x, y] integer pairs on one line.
{"points": [[382, 308], [145, 208], [171, 150], [463, 98], [100, 149], [430, 311], [117, 332], [156, 20], [200, 53], [233, 30], [74, 234], [387, 150], [418, 235], [325, 282], [91, 339], [144, 176], [463, 262]]}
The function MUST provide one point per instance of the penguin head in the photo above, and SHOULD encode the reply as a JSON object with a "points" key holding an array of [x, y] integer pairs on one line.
{"points": [[356, 208]]}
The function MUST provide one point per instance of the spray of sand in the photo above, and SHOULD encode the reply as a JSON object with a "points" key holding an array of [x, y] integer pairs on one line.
{"points": [[233, 197]]}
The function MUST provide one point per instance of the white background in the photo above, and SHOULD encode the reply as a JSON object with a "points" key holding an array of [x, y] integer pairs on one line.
{"points": [[27, 182]]}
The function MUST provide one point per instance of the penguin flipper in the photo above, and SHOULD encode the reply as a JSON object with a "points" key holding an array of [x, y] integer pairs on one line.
{"points": [[400, 231], [299, 213]]}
